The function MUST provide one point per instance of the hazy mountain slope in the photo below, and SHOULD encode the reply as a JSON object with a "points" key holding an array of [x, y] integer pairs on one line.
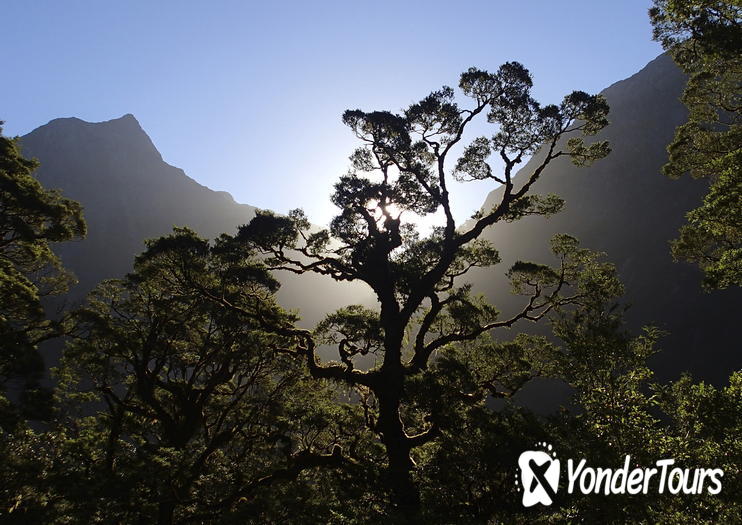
{"points": [[130, 194], [624, 206]]}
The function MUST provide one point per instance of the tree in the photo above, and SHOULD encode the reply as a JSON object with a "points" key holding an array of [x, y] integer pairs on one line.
{"points": [[195, 416], [31, 218], [616, 410], [188, 395], [401, 170], [704, 38], [621, 410]]}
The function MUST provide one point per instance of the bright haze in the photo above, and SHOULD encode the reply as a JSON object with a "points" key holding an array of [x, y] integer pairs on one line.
{"points": [[246, 97]]}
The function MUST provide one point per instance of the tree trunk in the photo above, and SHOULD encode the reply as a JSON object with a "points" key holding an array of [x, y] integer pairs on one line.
{"points": [[404, 493], [405, 496]]}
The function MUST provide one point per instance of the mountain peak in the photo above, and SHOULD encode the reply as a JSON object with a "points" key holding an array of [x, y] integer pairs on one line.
{"points": [[126, 119], [130, 194], [123, 136]]}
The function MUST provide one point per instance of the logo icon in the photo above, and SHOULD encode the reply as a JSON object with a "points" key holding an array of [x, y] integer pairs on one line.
{"points": [[539, 475], [538, 478]]}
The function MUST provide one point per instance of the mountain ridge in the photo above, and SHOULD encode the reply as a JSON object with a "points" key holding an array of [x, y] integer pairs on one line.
{"points": [[625, 207], [129, 194], [622, 206]]}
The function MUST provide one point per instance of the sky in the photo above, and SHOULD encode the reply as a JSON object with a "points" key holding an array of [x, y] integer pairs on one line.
{"points": [[246, 97]]}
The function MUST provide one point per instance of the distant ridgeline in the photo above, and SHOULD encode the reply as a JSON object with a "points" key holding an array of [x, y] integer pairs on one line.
{"points": [[622, 205], [130, 194]]}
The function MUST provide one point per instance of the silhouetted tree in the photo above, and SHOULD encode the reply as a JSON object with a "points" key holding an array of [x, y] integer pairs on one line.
{"points": [[194, 418], [705, 38], [181, 403], [187, 395], [616, 410], [401, 170], [620, 410], [31, 218]]}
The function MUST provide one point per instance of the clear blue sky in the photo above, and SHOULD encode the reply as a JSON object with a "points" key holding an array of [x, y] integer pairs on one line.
{"points": [[246, 97]]}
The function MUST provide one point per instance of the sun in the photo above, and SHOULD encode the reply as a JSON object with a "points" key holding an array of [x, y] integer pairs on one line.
{"points": [[423, 224]]}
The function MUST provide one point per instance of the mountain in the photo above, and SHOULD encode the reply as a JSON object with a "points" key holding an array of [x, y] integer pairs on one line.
{"points": [[130, 194], [624, 206]]}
